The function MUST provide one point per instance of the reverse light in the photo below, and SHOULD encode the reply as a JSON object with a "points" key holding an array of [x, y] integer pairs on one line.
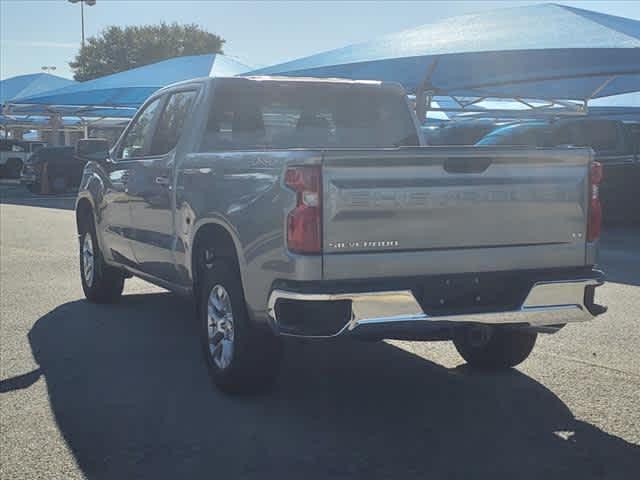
{"points": [[594, 224], [304, 222]]}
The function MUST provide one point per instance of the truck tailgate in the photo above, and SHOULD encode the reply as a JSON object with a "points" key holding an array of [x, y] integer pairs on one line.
{"points": [[434, 210]]}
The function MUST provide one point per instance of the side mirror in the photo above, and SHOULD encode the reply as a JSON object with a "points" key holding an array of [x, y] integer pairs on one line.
{"points": [[99, 156], [92, 150]]}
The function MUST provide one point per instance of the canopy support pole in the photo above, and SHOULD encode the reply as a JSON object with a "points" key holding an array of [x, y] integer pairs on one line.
{"points": [[421, 103], [55, 122], [602, 86], [425, 93], [429, 99], [424, 100]]}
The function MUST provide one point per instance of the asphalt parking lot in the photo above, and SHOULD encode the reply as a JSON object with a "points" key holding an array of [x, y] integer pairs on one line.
{"points": [[120, 391]]}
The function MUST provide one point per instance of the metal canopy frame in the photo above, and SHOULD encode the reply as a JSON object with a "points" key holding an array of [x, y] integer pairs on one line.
{"points": [[84, 121], [427, 93], [63, 110], [536, 106], [55, 116], [55, 123]]}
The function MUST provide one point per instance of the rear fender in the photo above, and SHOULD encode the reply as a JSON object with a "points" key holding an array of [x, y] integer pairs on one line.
{"points": [[230, 230]]}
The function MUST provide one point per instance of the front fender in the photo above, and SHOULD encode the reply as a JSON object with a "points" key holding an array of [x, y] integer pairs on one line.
{"points": [[92, 190]]}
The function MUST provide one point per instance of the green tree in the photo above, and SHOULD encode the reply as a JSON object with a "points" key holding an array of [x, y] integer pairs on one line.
{"points": [[117, 49]]}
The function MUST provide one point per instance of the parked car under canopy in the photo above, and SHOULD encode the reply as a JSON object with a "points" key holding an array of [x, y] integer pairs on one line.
{"points": [[616, 145]]}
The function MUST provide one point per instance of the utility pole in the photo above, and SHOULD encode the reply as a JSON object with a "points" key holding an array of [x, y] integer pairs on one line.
{"points": [[82, 2], [82, 20]]}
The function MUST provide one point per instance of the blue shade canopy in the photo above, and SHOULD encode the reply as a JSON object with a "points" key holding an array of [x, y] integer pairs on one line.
{"points": [[32, 84], [540, 51], [132, 87]]}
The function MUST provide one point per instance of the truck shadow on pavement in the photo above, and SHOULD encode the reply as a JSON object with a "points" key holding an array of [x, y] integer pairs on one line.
{"points": [[132, 398], [57, 202], [18, 195], [620, 254]]}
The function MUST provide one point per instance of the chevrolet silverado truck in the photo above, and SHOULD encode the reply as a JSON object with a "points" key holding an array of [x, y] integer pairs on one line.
{"points": [[309, 208]]}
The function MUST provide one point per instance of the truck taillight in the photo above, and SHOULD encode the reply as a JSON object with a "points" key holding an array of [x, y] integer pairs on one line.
{"points": [[594, 225], [304, 222]]}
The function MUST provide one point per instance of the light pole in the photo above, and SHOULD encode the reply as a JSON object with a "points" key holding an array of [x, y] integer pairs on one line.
{"points": [[82, 2]]}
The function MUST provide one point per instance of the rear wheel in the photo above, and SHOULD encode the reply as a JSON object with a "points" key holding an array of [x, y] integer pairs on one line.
{"points": [[100, 282], [241, 356], [494, 347]]}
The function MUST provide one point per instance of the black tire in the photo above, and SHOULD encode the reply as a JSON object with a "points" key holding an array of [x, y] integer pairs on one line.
{"points": [[14, 168], [494, 347], [255, 359], [107, 283]]}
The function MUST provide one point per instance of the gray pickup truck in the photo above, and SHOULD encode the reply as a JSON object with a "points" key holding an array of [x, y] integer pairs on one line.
{"points": [[308, 208]]}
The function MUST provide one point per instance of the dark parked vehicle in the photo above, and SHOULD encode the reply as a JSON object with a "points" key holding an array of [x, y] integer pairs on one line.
{"points": [[459, 132], [616, 147], [64, 164], [62, 169]]}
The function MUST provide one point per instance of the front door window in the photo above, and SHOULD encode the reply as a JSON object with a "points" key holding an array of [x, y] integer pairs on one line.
{"points": [[137, 140]]}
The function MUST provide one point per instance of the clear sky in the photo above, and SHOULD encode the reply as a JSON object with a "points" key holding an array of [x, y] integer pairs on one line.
{"points": [[34, 33]]}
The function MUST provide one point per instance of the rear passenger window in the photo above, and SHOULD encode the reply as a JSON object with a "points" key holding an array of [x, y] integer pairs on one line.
{"points": [[536, 137], [599, 135], [275, 126], [171, 122], [279, 116], [561, 136], [604, 136]]}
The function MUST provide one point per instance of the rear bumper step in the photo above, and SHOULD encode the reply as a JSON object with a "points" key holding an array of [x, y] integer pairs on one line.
{"points": [[548, 303]]}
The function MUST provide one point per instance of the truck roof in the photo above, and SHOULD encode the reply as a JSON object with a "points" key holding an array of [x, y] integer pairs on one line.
{"points": [[266, 78], [284, 79]]}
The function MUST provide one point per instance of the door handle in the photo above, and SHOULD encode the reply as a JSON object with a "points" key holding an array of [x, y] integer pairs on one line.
{"points": [[466, 164], [162, 181]]}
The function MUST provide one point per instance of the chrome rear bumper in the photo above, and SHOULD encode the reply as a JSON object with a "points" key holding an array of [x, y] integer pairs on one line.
{"points": [[548, 303]]}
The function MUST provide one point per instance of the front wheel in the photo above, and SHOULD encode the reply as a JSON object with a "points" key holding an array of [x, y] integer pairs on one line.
{"points": [[494, 347], [100, 282], [241, 356]]}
